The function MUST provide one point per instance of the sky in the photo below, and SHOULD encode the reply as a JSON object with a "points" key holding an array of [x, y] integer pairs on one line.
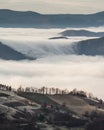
{"points": [[54, 6]]}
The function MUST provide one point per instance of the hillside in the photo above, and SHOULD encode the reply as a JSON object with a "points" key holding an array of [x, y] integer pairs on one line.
{"points": [[9, 18], [12, 105], [40, 111], [39, 98], [86, 33], [90, 47], [7, 53], [75, 103]]}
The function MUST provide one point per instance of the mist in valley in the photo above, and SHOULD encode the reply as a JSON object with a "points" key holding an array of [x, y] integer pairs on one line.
{"points": [[56, 64]]}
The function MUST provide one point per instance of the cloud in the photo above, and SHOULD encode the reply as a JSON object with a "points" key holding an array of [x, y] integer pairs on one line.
{"points": [[79, 72], [58, 70]]}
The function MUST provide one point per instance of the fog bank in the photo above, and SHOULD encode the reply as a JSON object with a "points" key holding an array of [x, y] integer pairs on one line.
{"points": [[81, 72], [54, 66]]}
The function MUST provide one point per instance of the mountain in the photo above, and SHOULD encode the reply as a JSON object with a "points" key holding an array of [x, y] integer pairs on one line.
{"points": [[37, 111], [90, 47], [9, 18], [86, 33], [7, 53]]}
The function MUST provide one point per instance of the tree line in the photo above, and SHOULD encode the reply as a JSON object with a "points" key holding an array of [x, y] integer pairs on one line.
{"points": [[43, 90], [50, 90], [5, 87]]}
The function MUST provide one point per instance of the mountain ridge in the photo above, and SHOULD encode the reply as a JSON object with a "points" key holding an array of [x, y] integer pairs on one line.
{"points": [[10, 18], [7, 53], [81, 32], [90, 47]]}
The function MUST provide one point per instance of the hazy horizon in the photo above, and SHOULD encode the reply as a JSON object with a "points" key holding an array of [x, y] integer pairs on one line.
{"points": [[51, 13], [55, 7]]}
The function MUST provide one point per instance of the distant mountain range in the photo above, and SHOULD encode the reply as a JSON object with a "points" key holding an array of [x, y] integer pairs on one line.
{"points": [[86, 33], [7, 53], [90, 47], [9, 18]]}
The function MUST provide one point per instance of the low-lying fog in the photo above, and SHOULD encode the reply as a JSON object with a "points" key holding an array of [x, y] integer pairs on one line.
{"points": [[53, 68]]}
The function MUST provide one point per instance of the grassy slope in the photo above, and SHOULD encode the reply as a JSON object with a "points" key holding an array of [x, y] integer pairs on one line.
{"points": [[74, 103], [38, 98]]}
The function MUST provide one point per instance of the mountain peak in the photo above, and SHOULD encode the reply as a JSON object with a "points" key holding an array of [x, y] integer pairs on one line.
{"points": [[14, 11]]}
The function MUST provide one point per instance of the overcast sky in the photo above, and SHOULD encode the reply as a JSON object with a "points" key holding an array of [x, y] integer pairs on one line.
{"points": [[54, 6]]}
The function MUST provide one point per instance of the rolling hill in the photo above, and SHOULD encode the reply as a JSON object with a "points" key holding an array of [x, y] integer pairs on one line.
{"points": [[26, 110], [80, 33], [75, 103], [7, 53], [9, 18], [90, 47]]}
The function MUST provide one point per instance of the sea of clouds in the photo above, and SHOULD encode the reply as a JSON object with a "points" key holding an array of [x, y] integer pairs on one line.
{"points": [[53, 67]]}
